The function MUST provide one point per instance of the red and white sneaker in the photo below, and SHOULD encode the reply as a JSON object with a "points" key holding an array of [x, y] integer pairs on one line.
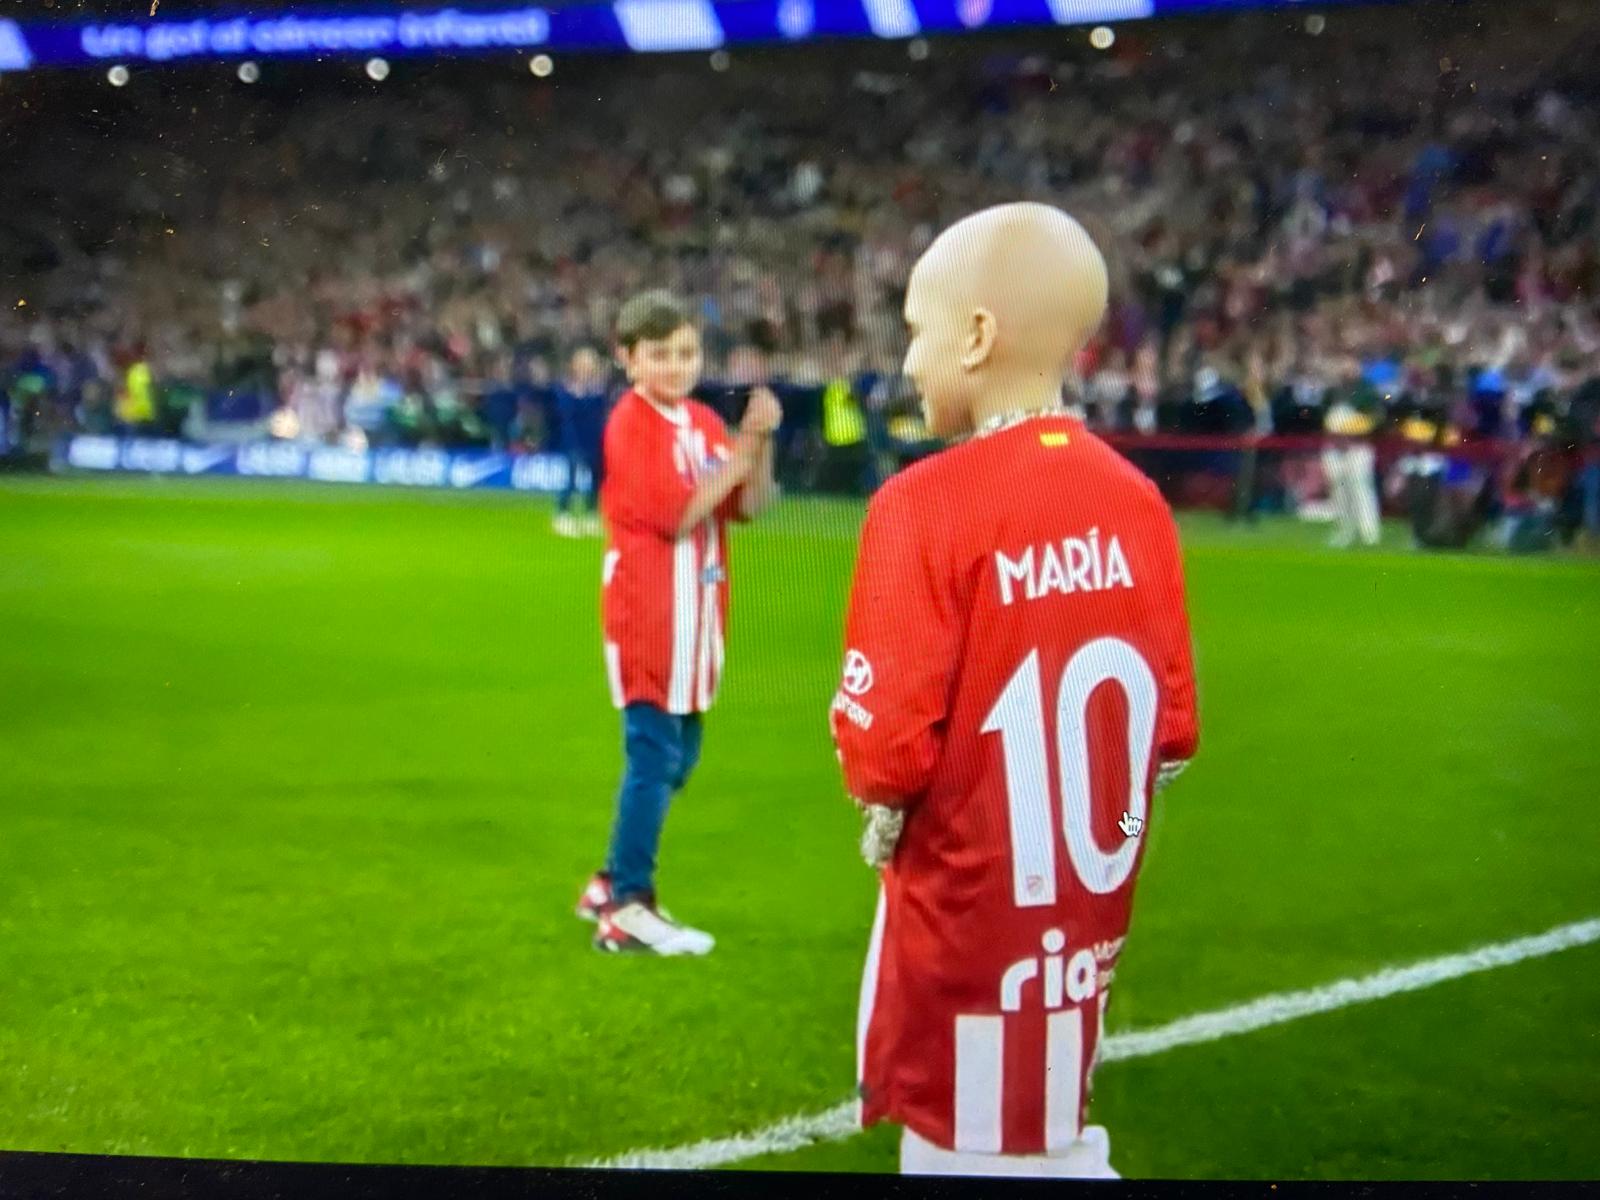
{"points": [[596, 895], [639, 927]]}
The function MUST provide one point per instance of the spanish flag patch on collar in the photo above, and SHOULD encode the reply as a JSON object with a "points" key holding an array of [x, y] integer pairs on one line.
{"points": [[1054, 438]]}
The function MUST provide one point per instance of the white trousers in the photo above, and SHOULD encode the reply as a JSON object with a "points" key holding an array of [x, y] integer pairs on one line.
{"points": [[1087, 1158], [1353, 489]]}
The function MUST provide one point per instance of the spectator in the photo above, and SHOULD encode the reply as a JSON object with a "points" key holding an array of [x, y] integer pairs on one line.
{"points": [[581, 405], [1583, 423]]}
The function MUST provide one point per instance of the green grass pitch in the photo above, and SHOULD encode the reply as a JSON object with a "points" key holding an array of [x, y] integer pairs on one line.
{"points": [[298, 786]]}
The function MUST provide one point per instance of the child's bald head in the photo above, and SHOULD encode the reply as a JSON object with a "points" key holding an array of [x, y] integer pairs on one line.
{"points": [[999, 304]]}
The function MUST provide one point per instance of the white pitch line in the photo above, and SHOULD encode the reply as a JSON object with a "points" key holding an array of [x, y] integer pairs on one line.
{"points": [[838, 1123], [1391, 981]]}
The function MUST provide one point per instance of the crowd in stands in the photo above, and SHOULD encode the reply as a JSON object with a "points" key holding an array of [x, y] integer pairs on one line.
{"points": [[1398, 207]]}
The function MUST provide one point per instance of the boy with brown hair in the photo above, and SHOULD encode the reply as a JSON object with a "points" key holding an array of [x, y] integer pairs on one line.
{"points": [[674, 478]]}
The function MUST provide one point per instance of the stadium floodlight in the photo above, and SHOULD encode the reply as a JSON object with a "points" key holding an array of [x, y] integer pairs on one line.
{"points": [[1086, 12], [796, 18], [377, 69], [249, 72], [117, 76], [14, 52], [1102, 37], [667, 25], [893, 18], [542, 66]]}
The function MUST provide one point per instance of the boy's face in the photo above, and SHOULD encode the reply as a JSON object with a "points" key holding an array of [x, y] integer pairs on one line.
{"points": [[585, 365], [933, 359], [665, 369]]}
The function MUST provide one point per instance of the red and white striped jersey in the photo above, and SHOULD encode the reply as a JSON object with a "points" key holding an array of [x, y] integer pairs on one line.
{"points": [[664, 598], [1017, 670]]}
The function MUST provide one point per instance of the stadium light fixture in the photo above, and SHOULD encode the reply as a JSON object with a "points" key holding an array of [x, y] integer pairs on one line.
{"points": [[1102, 37], [249, 72], [377, 69], [117, 76], [542, 66]]}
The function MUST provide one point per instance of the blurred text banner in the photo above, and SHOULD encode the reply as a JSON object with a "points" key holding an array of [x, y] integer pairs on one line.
{"points": [[460, 469], [640, 26]]}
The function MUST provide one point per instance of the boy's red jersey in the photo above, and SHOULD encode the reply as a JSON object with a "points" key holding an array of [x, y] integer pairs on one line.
{"points": [[664, 598], [1017, 668]]}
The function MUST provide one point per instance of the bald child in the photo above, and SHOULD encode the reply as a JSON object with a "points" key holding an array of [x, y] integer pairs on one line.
{"points": [[1017, 682]]}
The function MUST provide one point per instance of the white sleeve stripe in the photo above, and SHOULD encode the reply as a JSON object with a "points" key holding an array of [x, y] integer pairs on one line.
{"points": [[685, 621], [702, 672], [716, 647], [711, 620]]}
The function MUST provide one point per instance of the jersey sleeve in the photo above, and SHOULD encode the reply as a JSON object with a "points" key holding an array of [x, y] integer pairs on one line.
{"points": [[649, 489], [902, 640], [1178, 731], [717, 434]]}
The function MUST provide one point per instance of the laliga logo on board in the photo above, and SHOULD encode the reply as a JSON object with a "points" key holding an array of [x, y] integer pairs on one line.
{"points": [[857, 673], [197, 460], [470, 472]]}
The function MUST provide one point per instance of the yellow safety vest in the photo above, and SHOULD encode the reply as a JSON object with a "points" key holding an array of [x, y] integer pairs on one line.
{"points": [[137, 402], [842, 422]]}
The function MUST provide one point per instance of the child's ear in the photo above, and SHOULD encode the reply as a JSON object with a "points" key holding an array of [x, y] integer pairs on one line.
{"points": [[623, 359]]}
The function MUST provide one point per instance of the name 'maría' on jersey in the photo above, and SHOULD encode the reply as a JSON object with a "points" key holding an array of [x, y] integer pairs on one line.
{"points": [[1072, 565]]}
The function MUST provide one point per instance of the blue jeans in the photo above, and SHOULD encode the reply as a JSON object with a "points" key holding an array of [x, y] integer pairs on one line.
{"points": [[662, 750], [580, 457]]}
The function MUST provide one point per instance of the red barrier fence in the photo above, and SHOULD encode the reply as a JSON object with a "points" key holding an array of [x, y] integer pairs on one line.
{"points": [[1484, 451], [1286, 472]]}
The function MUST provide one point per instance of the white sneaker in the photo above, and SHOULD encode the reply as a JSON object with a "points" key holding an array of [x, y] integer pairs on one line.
{"points": [[639, 928]]}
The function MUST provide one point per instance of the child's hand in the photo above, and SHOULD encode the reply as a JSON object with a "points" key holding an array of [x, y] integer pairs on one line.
{"points": [[880, 833], [763, 414]]}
